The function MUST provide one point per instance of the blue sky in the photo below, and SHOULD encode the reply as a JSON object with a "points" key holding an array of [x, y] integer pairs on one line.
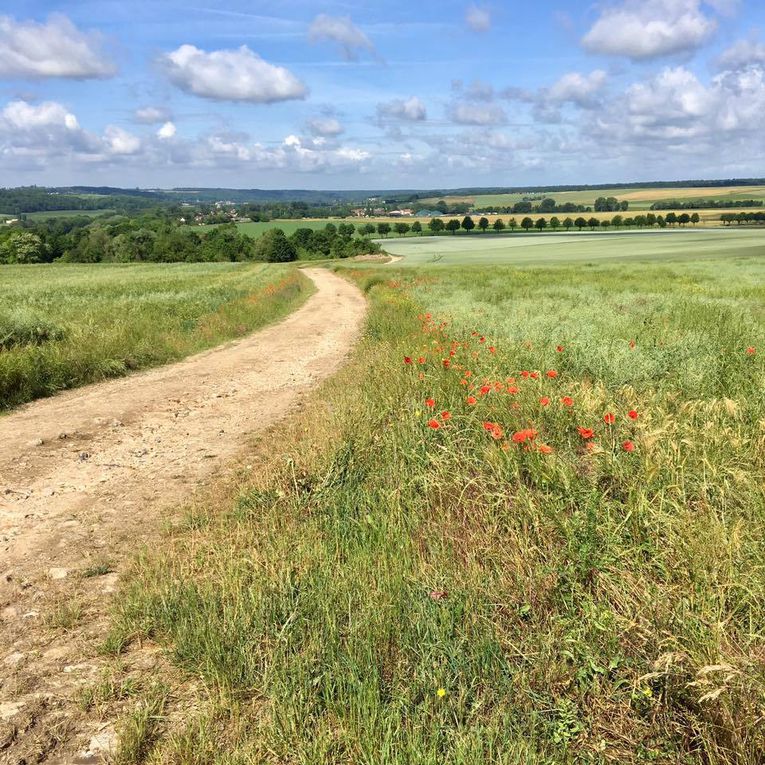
{"points": [[380, 95]]}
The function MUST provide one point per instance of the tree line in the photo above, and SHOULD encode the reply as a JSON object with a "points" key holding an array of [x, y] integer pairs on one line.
{"points": [[710, 204]]}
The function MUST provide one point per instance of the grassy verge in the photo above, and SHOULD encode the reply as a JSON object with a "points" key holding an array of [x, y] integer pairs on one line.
{"points": [[441, 564], [65, 326]]}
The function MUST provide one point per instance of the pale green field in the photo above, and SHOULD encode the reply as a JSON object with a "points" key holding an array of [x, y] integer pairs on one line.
{"points": [[511, 249], [44, 215]]}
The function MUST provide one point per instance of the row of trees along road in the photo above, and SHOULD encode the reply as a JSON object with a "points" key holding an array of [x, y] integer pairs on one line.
{"points": [[438, 225]]}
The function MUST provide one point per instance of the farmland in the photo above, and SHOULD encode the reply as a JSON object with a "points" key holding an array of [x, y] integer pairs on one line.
{"points": [[525, 524], [65, 325], [487, 249]]}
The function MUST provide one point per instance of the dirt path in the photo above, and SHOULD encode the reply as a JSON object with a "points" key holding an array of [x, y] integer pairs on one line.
{"points": [[84, 477]]}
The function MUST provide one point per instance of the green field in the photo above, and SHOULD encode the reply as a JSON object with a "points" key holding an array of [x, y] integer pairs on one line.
{"points": [[525, 524], [65, 325], [487, 249], [38, 216]]}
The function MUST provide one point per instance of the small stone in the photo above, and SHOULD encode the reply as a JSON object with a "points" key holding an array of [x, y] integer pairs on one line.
{"points": [[12, 659], [58, 573], [10, 708], [9, 613], [36, 442]]}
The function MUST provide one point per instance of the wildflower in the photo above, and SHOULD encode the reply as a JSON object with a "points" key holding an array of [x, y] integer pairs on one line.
{"points": [[525, 373], [559, 348], [430, 402], [632, 414], [567, 401], [447, 363], [421, 360], [407, 359], [485, 389], [521, 436], [492, 349], [586, 432], [751, 350], [441, 692], [494, 429], [434, 424], [545, 401], [534, 375], [628, 446], [463, 381], [446, 415], [513, 390], [545, 449], [481, 339], [438, 594], [609, 418], [590, 446], [472, 400], [552, 374], [632, 343]]}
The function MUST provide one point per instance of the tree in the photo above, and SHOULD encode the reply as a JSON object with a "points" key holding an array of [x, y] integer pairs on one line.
{"points": [[417, 227], [580, 223], [436, 225], [402, 228], [499, 225], [650, 220], [684, 219], [453, 225], [468, 223], [330, 228], [383, 229], [660, 220], [554, 223], [367, 229], [617, 221], [23, 247], [568, 223], [527, 224], [593, 223], [274, 247], [671, 219], [346, 230], [512, 224], [695, 218], [541, 224], [605, 223], [483, 224]]}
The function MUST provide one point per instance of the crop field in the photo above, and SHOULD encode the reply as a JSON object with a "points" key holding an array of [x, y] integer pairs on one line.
{"points": [[639, 199], [487, 249], [44, 215], [525, 524], [65, 325]]}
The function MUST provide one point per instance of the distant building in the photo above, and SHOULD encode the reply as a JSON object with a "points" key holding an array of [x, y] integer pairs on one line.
{"points": [[428, 214], [401, 213]]}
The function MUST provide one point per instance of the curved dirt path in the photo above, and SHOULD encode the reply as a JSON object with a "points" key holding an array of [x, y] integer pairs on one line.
{"points": [[83, 479]]}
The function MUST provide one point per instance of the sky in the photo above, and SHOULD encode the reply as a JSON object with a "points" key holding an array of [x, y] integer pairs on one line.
{"points": [[371, 95]]}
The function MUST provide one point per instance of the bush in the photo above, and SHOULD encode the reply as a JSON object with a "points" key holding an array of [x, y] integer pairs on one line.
{"points": [[274, 247]]}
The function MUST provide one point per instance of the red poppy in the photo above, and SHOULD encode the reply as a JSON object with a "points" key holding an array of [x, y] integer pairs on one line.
{"points": [[567, 401], [628, 446], [447, 363], [559, 348], [421, 360], [434, 424], [521, 436], [552, 374], [494, 429], [544, 401], [468, 373], [545, 449], [534, 375], [586, 432], [472, 400], [609, 418], [481, 339], [525, 373], [513, 390], [407, 359], [430, 402], [632, 414], [590, 446], [632, 343], [463, 382], [492, 349], [446, 415], [485, 389], [751, 350]]}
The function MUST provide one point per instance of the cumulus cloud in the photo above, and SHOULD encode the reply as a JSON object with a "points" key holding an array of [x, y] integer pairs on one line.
{"points": [[478, 18], [151, 115], [477, 90], [646, 29], [469, 113], [325, 126], [39, 132], [340, 30], [231, 75], [576, 88], [55, 48], [742, 54], [409, 110], [167, 131]]}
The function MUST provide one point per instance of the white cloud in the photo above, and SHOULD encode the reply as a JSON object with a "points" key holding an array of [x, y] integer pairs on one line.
{"points": [[577, 88], [478, 18], [742, 54], [167, 131], [151, 115], [119, 142], [231, 75], [55, 48], [645, 29], [410, 109], [477, 114], [325, 126], [341, 30]]}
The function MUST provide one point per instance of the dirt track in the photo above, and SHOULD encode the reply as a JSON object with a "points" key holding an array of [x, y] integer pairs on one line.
{"points": [[84, 476]]}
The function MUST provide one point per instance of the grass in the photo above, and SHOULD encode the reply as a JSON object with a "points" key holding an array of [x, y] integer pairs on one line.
{"points": [[46, 214], [381, 590], [590, 248], [62, 326]]}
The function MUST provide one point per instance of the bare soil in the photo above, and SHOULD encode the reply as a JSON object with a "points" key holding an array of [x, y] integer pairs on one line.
{"points": [[89, 476]]}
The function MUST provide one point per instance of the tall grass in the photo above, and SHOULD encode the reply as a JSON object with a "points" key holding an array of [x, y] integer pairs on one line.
{"points": [[62, 326], [385, 591]]}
